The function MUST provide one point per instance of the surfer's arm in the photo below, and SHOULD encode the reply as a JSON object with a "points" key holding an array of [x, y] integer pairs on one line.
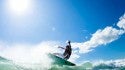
{"points": [[61, 47]]}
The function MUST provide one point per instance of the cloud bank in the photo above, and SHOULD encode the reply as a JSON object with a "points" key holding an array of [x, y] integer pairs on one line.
{"points": [[102, 37]]}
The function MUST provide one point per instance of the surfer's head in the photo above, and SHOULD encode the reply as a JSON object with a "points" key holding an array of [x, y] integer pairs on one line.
{"points": [[68, 41]]}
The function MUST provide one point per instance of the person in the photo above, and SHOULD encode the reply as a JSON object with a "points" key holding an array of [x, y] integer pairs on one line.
{"points": [[68, 50]]}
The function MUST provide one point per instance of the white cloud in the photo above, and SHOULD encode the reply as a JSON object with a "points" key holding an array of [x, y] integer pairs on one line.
{"points": [[117, 63], [121, 23], [101, 37]]}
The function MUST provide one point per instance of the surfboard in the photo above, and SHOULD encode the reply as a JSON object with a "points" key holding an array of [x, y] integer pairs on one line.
{"points": [[60, 61]]}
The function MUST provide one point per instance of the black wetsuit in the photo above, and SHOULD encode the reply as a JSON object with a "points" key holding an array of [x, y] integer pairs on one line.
{"points": [[67, 52]]}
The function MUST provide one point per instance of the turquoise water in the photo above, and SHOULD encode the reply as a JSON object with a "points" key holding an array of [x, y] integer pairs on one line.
{"points": [[11, 65]]}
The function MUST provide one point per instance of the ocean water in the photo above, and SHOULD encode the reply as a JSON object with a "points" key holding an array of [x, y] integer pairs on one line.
{"points": [[6, 64]]}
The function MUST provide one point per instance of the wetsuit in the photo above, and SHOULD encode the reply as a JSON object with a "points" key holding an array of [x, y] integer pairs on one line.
{"points": [[67, 52]]}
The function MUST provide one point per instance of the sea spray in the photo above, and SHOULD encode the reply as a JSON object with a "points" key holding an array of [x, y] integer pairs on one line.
{"points": [[29, 56], [34, 57]]}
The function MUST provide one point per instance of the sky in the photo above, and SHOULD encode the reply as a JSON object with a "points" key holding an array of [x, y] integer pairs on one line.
{"points": [[93, 26]]}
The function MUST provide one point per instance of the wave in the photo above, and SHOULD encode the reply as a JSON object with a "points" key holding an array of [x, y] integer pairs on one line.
{"points": [[27, 57], [3, 59], [6, 64]]}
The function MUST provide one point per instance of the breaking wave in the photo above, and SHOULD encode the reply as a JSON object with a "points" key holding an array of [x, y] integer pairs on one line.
{"points": [[34, 57], [6, 64]]}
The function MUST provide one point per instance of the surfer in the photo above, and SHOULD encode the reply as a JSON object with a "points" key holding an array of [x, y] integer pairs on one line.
{"points": [[68, 50]]}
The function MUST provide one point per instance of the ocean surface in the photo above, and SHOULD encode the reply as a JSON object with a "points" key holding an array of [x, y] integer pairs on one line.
{"points": [[6, 64]]}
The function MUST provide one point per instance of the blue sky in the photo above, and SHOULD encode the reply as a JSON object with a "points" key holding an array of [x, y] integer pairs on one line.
{"points": [[61, 20]]}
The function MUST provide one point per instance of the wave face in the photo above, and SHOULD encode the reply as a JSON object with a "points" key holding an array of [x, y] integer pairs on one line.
{"points": [[6, 64]]}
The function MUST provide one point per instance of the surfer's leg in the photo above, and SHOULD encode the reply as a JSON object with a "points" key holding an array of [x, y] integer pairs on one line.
{"points": [[61, 55], [58, 54], [66, 56]]}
